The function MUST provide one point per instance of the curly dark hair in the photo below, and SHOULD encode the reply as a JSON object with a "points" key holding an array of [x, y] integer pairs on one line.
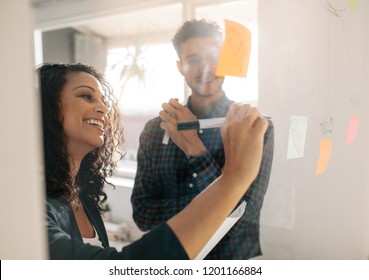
{"points": [[194, 29], [96, 165]]}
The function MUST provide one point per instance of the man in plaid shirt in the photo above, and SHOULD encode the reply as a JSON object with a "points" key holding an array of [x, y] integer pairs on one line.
{"points": [[170, 175]]}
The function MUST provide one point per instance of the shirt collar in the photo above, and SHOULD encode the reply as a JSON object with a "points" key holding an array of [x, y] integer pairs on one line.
{"points": [[219, 110]]}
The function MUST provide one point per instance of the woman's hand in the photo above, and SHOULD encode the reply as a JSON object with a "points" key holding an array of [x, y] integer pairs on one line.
{"points": [[243, 133]]}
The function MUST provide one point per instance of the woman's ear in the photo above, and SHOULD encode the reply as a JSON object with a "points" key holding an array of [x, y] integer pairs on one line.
{"points": [[179, 66]]}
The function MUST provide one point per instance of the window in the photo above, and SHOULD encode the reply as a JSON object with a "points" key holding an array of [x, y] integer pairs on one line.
{"points": [[143, 31], [245, 12], [141, 99]]}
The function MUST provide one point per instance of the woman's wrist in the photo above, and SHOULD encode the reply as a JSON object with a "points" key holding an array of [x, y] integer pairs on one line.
{"points": [[235, 179]]}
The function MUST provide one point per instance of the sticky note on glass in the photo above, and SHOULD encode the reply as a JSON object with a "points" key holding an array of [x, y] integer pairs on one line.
{"points": [[351, 133], [353, 5], [235, 54], [324, 156], [297, 135]]}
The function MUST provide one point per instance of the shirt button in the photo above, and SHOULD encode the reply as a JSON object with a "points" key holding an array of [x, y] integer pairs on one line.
{"points": [[201, 131], [194, 175], [190, 185]]}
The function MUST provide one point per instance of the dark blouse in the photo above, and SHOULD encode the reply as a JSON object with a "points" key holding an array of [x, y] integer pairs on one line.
{"points": [[65, 240]]}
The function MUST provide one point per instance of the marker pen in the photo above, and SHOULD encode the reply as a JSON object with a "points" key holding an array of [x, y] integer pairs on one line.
{"points": [[200, 124], [203, 123]]}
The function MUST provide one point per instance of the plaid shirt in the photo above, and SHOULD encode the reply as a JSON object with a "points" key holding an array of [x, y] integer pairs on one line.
{"points": [[166, 181]]}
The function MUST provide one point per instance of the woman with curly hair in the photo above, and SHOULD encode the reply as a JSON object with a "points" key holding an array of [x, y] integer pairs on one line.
{"points": [[82, 143]]}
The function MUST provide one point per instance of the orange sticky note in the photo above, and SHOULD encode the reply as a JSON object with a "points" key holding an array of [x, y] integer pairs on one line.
{"points": [[324, 156], [235, 54], [351, 133]]}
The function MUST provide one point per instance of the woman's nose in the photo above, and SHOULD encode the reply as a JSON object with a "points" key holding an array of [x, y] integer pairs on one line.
{"points": [[101, 108]]}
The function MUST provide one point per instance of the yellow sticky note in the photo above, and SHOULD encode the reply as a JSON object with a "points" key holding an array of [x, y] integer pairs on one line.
{"points": [[353, 5], [235, 53], [351, 133], [324, 156]]}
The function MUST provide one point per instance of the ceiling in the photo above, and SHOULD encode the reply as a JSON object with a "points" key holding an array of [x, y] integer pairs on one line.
{"points": [[148, 20], [112, 25], [158, 20]]}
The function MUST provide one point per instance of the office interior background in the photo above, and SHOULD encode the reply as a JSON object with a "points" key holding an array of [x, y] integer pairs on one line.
{"points": [[108, 34]]}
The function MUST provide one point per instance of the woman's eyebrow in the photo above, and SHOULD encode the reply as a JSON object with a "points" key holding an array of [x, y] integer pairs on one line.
{"points": [[91, 88]]}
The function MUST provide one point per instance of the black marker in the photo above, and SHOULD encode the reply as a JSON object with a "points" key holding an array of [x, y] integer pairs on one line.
{"points": [[200, 124], [203, 123]]}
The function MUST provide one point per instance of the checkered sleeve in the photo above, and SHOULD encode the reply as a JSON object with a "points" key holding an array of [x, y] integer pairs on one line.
{"points": [[161, 188], [255, 195], [203, 171]]}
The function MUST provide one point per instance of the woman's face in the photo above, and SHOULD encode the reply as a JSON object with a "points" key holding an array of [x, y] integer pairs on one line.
{"points": [[84, 113]]}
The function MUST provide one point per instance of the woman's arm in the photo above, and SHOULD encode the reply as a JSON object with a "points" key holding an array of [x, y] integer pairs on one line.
{"points": [[242, 134]]}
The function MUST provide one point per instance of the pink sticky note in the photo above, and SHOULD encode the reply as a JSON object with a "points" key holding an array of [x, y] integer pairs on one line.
{"points": [[324, 156], [351, 133]]}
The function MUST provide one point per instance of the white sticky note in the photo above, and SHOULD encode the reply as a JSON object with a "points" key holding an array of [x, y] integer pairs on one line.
{"points": [[297, 136]]}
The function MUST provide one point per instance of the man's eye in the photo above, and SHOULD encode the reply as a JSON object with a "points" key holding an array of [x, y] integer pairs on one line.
{"points": [[194, 60]]}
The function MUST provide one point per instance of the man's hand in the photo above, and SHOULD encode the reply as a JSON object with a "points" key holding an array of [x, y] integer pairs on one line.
{"points": [[188, 141]]}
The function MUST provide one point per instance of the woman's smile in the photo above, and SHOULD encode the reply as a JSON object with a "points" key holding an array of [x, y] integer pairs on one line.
{"points": [[97, 123]]}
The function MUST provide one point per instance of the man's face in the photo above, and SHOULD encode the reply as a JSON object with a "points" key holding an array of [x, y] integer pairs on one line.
{"points": [[197, 64]]}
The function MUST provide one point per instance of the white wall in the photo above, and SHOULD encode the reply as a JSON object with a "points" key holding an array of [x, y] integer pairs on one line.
{"points": [[317, 69], [22, 234]]}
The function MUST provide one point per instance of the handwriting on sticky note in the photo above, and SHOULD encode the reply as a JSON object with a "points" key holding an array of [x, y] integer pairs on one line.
{"points": [[351, 133], [297, 135], [324, 156], [326, 126], [235, 53]]}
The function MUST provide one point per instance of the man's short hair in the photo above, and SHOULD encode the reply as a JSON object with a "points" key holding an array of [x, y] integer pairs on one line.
{"points": [[195, 29]]}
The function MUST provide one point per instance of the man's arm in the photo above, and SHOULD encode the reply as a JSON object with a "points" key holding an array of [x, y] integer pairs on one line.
{"points": [[255, 195], [153, 202]]}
